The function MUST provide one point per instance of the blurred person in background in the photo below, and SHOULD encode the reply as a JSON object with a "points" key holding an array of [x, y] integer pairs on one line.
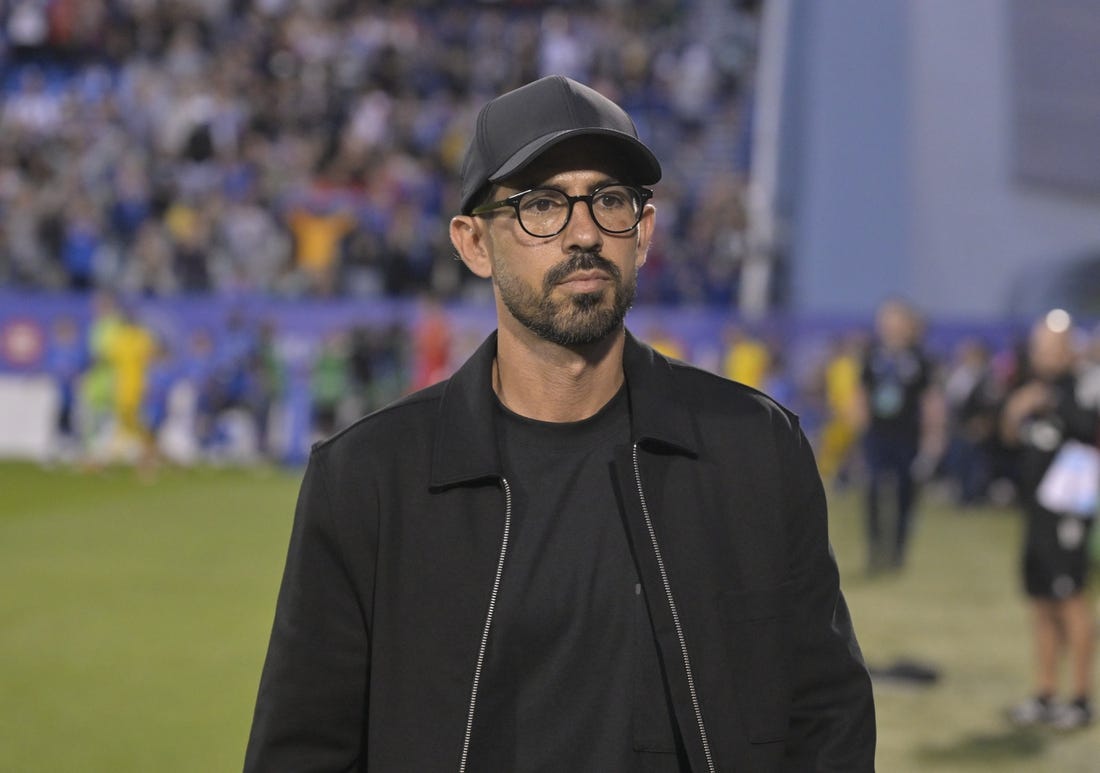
{"points": [[431, 340], [377, 365], [973, 397], [1088, 369], [161, 378], [81, 243], [67, 359], [22, 242], [747, 359], [779, 381], [319, 230], [895, 378], [150, 263], [265, 385], [841, 383], [235, 398], [1010, 369], [665, 343], [328, 384], [469, 566], [97, 385], [188, 228], [130, 353], [1044, 417], [200, 386]]}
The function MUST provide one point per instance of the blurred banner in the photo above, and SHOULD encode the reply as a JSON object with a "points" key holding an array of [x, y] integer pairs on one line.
{"points": [[28, 405]]}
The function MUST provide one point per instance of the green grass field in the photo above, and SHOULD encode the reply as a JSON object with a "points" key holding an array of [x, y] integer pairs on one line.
{"points": [[134, 618]]}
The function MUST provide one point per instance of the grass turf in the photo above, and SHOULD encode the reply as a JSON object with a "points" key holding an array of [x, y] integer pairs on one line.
{"points": [[134, 618]]}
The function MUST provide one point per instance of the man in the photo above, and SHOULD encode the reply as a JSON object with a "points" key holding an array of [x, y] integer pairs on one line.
{"points": [[895, 378], [973, 399], [1040, 418], [575, 554]]}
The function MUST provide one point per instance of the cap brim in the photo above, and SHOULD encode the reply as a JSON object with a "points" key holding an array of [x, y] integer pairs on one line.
{"points": [[645, 169]]}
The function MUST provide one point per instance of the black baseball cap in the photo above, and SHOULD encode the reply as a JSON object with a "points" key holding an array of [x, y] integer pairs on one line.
{"points": [[517, 127]]}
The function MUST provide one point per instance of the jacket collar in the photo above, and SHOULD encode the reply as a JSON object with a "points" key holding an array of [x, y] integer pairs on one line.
{"points": [[465, 444], [658, 413]]}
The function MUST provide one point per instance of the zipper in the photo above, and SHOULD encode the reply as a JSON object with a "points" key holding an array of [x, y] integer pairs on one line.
{"points": [[675, 616], [488, 626]]}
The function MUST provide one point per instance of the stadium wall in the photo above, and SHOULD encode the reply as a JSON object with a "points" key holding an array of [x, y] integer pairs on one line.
{"points": [[907, 140]]}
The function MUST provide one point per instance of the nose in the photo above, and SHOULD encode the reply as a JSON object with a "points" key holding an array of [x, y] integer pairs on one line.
{"points": [[581, 231]]}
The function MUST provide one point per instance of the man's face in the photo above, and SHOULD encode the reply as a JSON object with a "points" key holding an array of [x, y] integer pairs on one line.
{"points": [[572, 289], [894, 324], [1050, 351]]}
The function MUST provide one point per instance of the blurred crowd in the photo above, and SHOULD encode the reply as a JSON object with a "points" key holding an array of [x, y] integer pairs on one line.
{"points": [[244, 391], [889, 391], [228, 392], [901, 418], [309, 148], [306, 148]]}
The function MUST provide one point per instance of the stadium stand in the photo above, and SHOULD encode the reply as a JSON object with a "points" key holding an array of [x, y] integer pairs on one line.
{"points": [[309, 148]]}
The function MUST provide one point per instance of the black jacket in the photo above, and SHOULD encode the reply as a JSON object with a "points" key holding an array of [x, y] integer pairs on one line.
{"points": [[400, 536]]}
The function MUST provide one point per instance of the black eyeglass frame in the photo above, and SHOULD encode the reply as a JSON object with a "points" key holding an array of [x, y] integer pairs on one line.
{"points": [[644, 195]]}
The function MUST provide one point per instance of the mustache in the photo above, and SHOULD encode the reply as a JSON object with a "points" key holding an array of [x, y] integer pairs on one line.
{"points": [[580, 261]]}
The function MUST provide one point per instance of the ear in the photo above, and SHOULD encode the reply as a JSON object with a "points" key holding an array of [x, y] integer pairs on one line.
{"points": [[469, 237], [645, 233]]}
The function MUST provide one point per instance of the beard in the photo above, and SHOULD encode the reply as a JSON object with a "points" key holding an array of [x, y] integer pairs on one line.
{"points": [[577, 320]]}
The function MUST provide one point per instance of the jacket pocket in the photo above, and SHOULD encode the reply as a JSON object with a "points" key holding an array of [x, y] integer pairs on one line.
{"points": [[757, 628]]}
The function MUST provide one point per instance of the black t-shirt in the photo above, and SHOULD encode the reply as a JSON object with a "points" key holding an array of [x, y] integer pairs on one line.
{"points": [[1043, 434], [571, 654], [894, 381]]}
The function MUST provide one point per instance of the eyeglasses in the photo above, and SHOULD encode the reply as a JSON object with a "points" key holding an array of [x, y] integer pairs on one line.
{"points": [[544, 212]]}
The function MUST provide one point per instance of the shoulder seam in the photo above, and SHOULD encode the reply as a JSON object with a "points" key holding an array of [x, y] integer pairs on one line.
{"points": [[728, 383], [428, 394]]}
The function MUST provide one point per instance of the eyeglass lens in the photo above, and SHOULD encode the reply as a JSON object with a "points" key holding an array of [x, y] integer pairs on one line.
{"points": [[545, 211]]}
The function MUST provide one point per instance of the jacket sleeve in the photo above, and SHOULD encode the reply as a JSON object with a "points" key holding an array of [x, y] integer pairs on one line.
{"points": [[311, 708], [832, 724]]}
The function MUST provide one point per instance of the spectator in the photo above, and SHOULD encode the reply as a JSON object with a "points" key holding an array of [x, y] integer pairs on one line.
{"points": [[431, 345], [148, 109], [161, 378], [328, 385], [198, 378], [67, 359], [21, 242], [34, 109], [973, 402], [841, 383], [665, 343], [1044, 417], [130, 352], [265, 385], [150, 269], [747, 358], [377, 365], [318, 230], [81, 244], [895, 377], [97, 386], [189, 233]]}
